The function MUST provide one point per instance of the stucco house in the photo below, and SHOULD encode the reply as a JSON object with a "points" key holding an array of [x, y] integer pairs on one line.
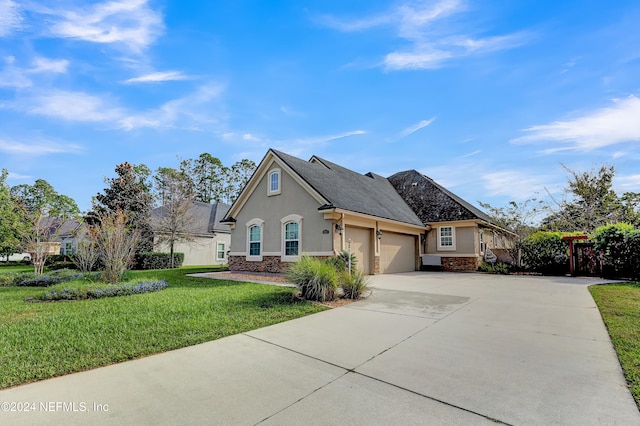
{"points": [[292, 207], [459, 236], [210, 238]]}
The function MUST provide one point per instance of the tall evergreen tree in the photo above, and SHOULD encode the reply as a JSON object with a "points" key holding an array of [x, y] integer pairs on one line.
{"points": [[128, 193]]}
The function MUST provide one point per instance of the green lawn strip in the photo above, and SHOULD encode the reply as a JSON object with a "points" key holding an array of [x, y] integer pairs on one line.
{"points": [[619, 305], [42, 340], [15, 268]]}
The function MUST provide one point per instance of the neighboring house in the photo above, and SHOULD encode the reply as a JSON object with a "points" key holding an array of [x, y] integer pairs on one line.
{"points": [[210, 238], [69, 234], [63, 234], [291, 206], [459, 235]]}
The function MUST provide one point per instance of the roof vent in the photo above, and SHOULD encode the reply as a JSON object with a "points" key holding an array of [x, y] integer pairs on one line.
{"points": [[414, 184]]}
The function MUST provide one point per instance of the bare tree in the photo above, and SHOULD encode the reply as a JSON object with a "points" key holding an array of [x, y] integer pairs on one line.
{"points": [[116, 243], [172, 220], [87, 253]]}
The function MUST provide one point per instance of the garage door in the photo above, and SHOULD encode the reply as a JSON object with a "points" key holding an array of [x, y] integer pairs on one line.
{"points": [[360, 246], [397, 253]]}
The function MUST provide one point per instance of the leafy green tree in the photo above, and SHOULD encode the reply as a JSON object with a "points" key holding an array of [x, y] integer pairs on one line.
{"points": [[591, 202], [239, 175], [519, 219], [215, 182], [130, 194], [208, 175], [42, 212], [10, 223]]}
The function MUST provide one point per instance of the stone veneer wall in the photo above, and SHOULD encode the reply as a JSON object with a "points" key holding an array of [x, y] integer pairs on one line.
{"points": [[376, 264], [454, 264], [272, 264], [268, 264]]}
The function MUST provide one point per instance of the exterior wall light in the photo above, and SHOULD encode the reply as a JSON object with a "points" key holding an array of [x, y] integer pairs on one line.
{"points": [[339, 228], [379, 234]]}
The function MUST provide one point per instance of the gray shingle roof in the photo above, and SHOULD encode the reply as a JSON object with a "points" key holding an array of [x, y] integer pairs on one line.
{"points": [[432, 202], [369, 194], [205, 218]]}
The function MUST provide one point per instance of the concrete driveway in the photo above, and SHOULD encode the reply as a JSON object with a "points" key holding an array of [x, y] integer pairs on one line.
{"points": [[424, 348]]}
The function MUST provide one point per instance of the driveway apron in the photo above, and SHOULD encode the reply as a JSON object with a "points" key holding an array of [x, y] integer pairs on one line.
{"points": [[424, 348]]}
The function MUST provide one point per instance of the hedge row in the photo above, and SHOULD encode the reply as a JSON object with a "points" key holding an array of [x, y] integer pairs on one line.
{"points": [[153, 260], [620, 247]]}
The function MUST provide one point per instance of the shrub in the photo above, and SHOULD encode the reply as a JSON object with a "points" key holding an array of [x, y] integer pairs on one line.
{"points": [[316, 279], [341, 261], [62, 275], [153, 260], [620, 246], [545, 252], [9, 279], [498, 268], [87, 256], [353, 284], [62, 265], [99, 293]]}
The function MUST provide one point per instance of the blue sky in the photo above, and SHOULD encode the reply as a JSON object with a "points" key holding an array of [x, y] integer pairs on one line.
{"points": [[487, 97]]}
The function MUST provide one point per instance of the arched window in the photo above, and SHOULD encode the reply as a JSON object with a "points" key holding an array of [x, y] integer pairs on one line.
{"points": [[273, 183], [255, 240], [255, 234], [291, 237]]}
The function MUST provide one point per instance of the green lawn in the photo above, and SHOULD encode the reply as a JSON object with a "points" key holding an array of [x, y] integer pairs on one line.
{"points": [[41, 340], [619, 306]]}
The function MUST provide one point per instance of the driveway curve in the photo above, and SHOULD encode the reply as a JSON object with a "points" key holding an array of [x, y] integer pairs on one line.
{"points": [[424, 348]]}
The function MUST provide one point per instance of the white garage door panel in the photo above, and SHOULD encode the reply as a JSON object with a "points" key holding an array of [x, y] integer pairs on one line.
{"points": [[360, 246], [397, 253]]}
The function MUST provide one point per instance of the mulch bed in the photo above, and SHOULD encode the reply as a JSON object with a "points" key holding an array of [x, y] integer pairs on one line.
{"points": [[273, 278]]}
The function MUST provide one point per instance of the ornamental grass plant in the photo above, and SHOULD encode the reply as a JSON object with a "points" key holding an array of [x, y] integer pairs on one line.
{"points": [[316, 278]]}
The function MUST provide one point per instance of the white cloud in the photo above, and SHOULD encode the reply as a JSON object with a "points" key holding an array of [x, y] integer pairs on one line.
{"points": [[251, 138], [14, 77], [37, 148], [185, 111], [412, 129], [433, 40], [471, 154], [157, 77], [41, 64], [514, 184], [10, 17], [70, 106], [628, 183], [329, 138], [600, 128], [131, 23]]}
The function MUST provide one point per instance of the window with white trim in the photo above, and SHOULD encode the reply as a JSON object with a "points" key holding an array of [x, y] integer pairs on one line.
{"points": [[255, 235], [273, 183], [291, 239], [220, 251], [255, 240], [446, 238]]}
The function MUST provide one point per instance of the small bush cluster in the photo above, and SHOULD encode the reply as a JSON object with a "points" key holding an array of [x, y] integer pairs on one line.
{"points": [[99, 293], [320, 279], [153, 260], [46, 280], [497, 268]]}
